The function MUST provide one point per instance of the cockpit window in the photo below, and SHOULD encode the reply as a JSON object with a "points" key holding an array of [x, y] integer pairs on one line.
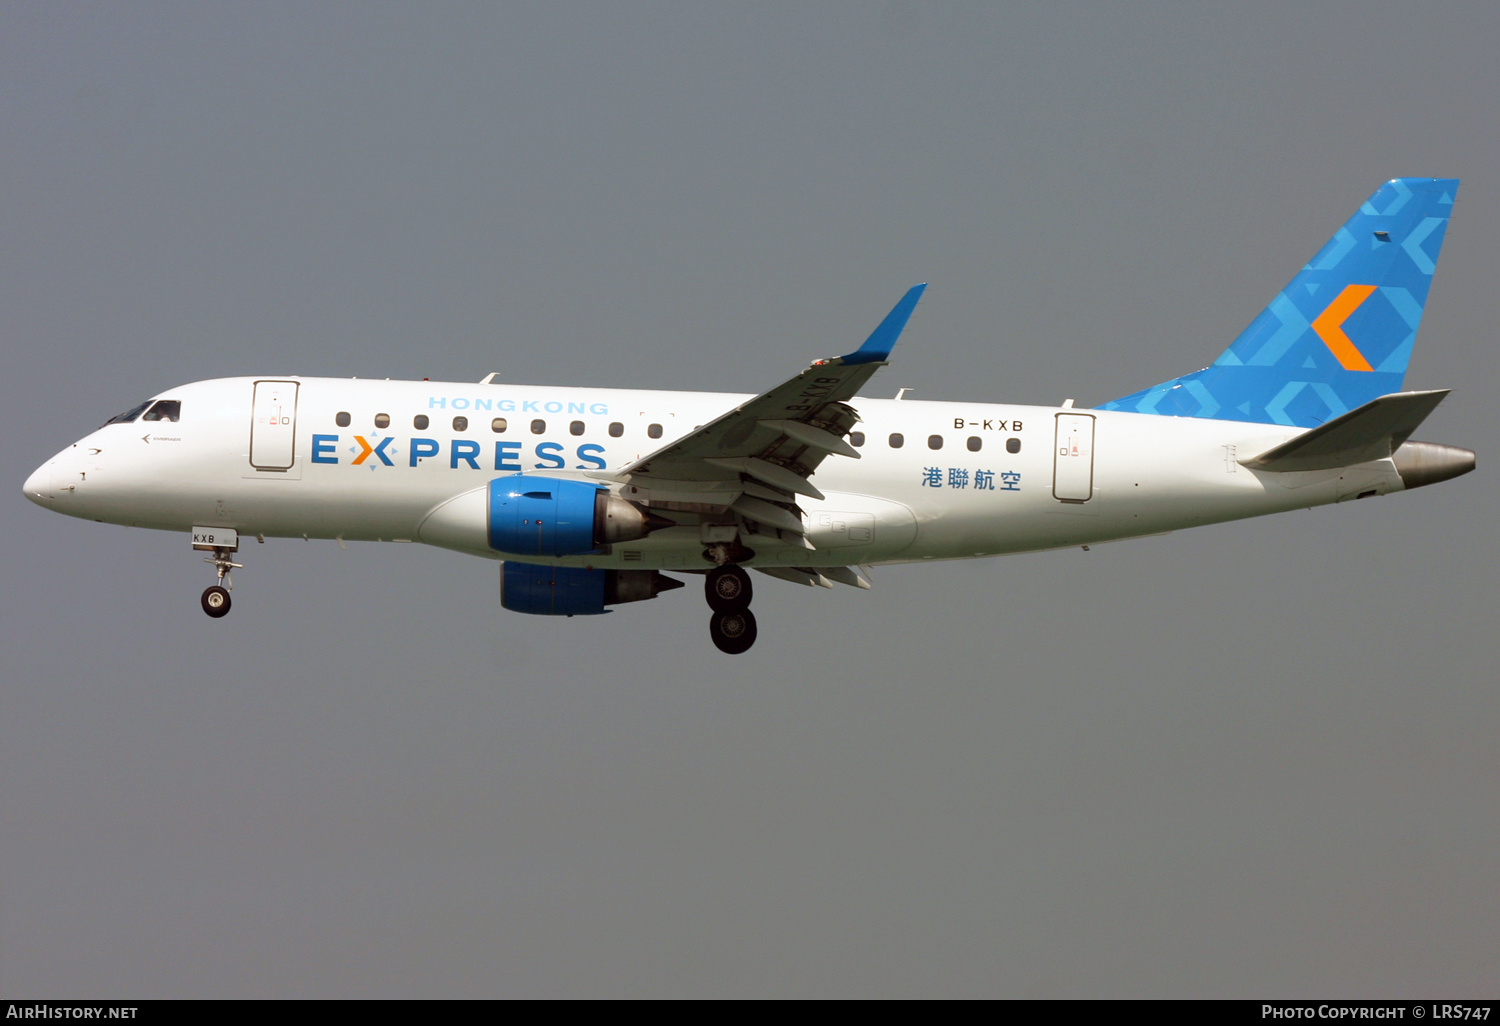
{"points": [[164, 409], [130, 414]]}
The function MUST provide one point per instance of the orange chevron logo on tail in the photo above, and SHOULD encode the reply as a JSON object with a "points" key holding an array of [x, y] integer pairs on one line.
{"points": [[1330, 327]]}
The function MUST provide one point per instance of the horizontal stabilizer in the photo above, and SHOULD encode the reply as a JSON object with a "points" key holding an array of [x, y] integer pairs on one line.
{"points": [[1372, 432]]}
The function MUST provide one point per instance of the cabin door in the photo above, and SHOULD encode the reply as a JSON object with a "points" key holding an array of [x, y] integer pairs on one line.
{"points": [[1073, 458], [273, 426]]}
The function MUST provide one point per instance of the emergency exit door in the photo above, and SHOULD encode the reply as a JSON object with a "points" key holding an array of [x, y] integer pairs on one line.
{"points": [[273, 425], [1073, 458]]}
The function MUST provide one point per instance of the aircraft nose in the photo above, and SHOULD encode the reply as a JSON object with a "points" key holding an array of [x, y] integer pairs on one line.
{"points": [[38, 486]]}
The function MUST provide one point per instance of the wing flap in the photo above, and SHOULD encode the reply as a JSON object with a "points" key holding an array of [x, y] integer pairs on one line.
{"points": [[769, 514], [815, 437], [773, 474], [796, 575], [817, 577], [844, 575]]}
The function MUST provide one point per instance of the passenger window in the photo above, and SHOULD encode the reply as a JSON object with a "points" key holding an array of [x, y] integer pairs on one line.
{"points": [[897, 441], [856, 438], [460, 423], [538, 427], [419, 422], [1012, 445], [575, 428], [129, 415], [616, 429], [341, 419], [382, 420], [654, 431], [975, 442], [498, 425], [934, 441], [166, 409]]}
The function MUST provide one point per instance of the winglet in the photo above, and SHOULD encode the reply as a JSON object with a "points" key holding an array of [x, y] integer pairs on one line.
{"points": [[883, 339]]}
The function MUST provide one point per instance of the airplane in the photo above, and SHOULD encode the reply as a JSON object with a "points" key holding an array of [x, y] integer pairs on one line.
{"points": [[594, 497]]}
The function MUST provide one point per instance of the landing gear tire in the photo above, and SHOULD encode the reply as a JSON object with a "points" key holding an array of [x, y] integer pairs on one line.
{"points": [[216, 601], [727, 589], [733, 632]]}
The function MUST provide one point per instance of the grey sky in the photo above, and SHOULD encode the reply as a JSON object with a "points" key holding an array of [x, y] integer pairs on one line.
{"points": [[1249, 760]]}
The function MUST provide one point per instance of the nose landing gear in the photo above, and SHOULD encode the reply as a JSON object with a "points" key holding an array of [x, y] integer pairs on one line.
{"points": [[216, 601], [732, 627], [216, 598]]}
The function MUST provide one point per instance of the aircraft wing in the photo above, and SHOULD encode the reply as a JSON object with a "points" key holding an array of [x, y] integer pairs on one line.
{"points": [[759, 456]]}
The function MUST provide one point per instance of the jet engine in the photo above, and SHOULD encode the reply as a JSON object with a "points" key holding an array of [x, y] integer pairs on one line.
{"points": [[545, 516], [576, 591]]}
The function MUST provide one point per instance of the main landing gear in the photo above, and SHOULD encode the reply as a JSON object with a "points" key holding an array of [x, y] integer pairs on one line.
{"points": [[216, 598], [732, 626]]}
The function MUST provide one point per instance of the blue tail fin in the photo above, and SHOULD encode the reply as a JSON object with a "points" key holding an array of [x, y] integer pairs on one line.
{"points": [[1340, 334]]}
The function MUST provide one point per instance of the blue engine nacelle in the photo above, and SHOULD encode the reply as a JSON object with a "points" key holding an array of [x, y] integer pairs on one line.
{"points": [[549, 516], [576, 590]]}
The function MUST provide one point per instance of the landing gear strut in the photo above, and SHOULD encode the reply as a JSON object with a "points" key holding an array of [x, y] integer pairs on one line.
{"points": [[732, 627], [216, 598]]}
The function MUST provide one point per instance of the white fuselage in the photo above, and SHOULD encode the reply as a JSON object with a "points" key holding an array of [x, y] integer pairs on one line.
{"points": [[968, 479]]}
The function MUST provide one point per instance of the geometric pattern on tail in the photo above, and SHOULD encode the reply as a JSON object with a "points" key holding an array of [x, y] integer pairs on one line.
{"points": [[1340, 334]]}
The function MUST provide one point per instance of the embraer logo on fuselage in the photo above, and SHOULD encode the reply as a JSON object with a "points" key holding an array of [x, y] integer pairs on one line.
{"points": [[462, 452]]}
